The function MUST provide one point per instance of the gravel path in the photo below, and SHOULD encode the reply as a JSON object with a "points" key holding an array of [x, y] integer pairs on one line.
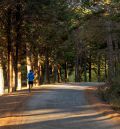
{"points": [[60, 107]]}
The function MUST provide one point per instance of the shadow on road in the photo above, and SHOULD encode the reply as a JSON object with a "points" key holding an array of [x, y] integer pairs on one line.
{"points": [[59, 108]]}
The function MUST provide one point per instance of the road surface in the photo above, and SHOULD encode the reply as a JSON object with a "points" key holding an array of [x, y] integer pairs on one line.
{"points": [[62, 106]]}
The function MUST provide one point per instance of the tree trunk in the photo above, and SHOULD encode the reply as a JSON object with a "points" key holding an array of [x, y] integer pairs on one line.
{"points": [[11, 74], [19, 85], [85, 71], [55, 73], [110, 47], [53, 68], [18, 40], [47, 76], [8, 31], [28, 60], [116, 58], [90, 69], [105, 68], [99, 77], [78, 51], [40, 74], [59, 73], [66, 72], [110, 54], [16, 68], [1, 79], [38, 71], [77, 77]]}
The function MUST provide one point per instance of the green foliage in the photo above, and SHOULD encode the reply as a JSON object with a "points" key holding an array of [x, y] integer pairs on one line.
{"points": [[58, 27]]}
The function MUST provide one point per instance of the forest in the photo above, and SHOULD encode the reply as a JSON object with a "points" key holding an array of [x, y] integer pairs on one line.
{"points": [[61, 41]]}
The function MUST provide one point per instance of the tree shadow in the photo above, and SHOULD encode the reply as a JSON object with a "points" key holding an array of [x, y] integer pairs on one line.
{"points": [[60, 109], [81, 122]]}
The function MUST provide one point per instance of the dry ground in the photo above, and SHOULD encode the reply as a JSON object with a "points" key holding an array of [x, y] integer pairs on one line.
{"points": [[66, 106]]}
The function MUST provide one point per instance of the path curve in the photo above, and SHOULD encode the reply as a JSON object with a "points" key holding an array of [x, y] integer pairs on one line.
{"points": [[61, 107]]}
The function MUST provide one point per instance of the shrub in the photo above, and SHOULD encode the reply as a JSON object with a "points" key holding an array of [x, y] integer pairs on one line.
{"points": [[111, 93]]}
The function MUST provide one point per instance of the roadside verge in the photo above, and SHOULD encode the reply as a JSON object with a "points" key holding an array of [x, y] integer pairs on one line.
{"points": [[100, 106], [10, 107]]}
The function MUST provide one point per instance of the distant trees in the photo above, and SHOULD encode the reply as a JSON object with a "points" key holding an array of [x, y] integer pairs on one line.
{"points": [[57, 38]]}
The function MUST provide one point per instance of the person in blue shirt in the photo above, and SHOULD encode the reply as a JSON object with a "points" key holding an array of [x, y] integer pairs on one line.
{"points": [[30, 77]]}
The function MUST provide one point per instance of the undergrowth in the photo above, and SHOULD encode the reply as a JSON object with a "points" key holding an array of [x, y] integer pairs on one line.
{"points": [[111, 93]]}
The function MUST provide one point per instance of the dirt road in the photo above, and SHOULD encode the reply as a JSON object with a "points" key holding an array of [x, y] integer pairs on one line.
{"points": [[60, 107]]}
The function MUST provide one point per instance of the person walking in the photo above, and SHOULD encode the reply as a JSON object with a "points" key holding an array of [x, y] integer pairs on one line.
{"points": [[30, 77]]}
